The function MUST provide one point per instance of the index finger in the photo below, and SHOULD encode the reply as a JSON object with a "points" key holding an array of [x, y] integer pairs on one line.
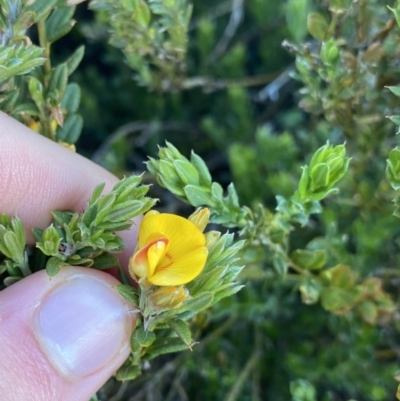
{"points": [[39, 176]]}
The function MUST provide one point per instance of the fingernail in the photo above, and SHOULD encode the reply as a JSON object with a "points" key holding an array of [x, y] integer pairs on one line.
{"points": [[82, 325]]}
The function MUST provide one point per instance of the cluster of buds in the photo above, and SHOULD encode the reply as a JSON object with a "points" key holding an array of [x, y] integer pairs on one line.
{"points": [[327, 166]]}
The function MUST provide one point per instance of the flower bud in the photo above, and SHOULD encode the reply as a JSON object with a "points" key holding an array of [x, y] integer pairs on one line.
{"points": [[168, 297], [328, 165], [200, 218], [329, 53]]}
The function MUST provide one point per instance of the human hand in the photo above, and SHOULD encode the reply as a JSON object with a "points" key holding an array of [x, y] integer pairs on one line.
{"points": [[61, 337]]}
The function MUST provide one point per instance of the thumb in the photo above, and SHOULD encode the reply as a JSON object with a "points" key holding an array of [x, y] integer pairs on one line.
{"points": [[61, 337]]}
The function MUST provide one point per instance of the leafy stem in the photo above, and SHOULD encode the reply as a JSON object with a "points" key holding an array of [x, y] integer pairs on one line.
{"points": [[45, 44]]}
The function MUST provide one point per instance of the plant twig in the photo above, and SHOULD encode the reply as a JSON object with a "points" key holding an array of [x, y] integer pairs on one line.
{"points": [[211, 84], [214, 13], [230, 30], [120, 393], [146, 129], [216, 333], [244, 374], [271, 91], [45, 44]]}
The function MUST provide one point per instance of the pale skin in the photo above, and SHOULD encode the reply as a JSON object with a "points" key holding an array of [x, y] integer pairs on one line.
{"points": [[38, 176]]}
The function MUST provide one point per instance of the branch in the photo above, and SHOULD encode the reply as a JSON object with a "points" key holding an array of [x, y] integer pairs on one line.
{"points": [[230, 30]]}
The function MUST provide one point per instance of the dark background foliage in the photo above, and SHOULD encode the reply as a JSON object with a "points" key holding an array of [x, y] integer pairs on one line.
{"points": [[245, 120]]}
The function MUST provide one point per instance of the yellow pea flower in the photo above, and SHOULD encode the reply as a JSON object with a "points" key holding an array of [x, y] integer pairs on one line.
{"points": [[171, 250]]}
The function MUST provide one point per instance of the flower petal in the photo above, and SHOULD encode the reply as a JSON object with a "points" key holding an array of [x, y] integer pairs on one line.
{"points": [[181, 270], [182, 234], [143, 262], [155, 254]]}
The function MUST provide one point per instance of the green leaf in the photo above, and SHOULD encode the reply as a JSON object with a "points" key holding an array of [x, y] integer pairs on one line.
{"points": [[231, 289], [303, 184], [62, 218], [135, 346], [330, 53], [217, 191], [339, 276], [169, 173], [308, 259], [129, 372], [59, 23], [280, 264], [26, 108], [105, 261], [310, 290], [71, 129], [198, 303], [198, 196], [19, 231], [3, 268], [182, 329], [71, 98], [16, 252], [96, 193], [368, 311], [396, 13], [89, 215], [394, 89], [337, 300], [129, 293], [177, 190], [143, 337], [202, 170], [319, 176], [104, 206], [187, 173], [54, 265], [395, 119], [209, 280], [317, 26], [296, 17], [58, 81], [8, 104], [38, 234], [41, 8], [112, 227], [51, 241], [233, 198], [11, 280], [128, 210], [142, 13], [75, 59], [36, 91], [302, 390], [25, 21], [232, 273], [169, 345], [84, 262], [393, 168]]}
